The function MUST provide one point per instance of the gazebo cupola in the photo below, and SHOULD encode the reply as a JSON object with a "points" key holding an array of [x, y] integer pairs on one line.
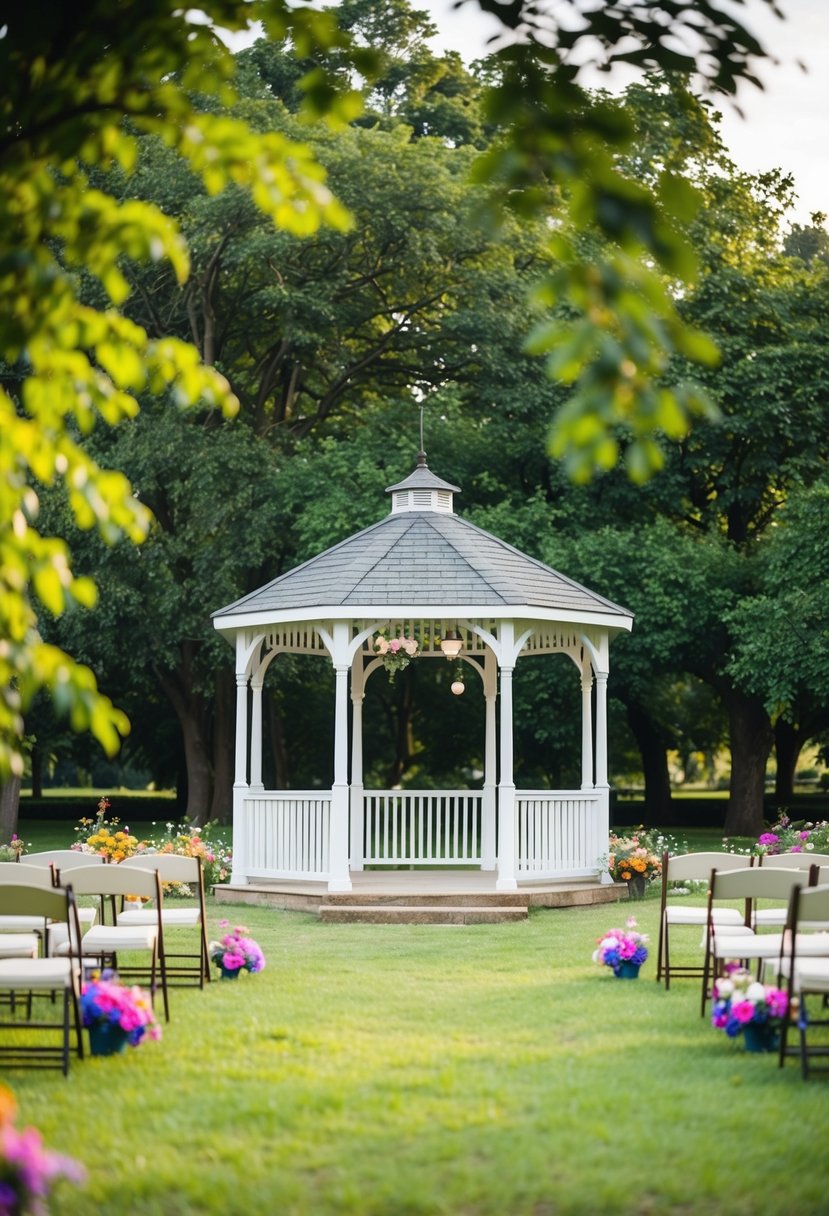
{"points": [[423, 491], [421, 573]]}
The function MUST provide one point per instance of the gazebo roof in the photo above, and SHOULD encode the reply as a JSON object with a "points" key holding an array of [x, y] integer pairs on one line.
{"points": [[422, 556]]}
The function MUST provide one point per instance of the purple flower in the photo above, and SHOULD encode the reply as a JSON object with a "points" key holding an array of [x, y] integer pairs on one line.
{"points": [[768, 838]]}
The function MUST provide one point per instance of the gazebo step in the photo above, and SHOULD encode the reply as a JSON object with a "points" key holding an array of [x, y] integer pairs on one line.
{"points": [[426, 899], [418, 914]]}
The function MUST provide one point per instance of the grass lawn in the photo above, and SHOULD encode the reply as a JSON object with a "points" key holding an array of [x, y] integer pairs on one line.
{"points": [[413, 1070]]}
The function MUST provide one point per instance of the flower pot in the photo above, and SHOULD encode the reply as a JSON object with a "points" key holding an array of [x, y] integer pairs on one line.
{"points": [[759, 1036], [627, 970], [636, 886], [106, 1039], [229, 973]]}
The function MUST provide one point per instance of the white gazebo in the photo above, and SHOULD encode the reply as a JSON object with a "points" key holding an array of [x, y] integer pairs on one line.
{"points": [[422, 573]]}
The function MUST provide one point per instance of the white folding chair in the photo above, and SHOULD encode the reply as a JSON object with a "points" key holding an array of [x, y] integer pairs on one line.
{"points": [[677, 912], [765, 917], [806, 975], [25, 976], [726, 945], [23, 875], [105, 942], [183, 969]]}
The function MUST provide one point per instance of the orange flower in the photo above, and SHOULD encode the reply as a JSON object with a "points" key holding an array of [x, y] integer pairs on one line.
{"points": [[8, 1106]]}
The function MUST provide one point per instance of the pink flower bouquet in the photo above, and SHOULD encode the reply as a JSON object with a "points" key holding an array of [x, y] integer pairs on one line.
{"points": [[236, 951], [106, 1000]]}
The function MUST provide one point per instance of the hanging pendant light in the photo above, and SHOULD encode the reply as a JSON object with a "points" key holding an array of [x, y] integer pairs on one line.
{"points": [[458, 687], [451, 644]]}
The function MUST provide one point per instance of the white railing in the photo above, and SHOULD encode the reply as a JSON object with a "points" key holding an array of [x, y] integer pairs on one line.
{"points": [[560, 833], [286, 834], [422, 827]]}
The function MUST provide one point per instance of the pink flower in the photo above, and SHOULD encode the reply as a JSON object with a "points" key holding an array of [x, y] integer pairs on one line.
{"points": [[777, 1001], [231, 961], [394, 645], [743, 1011]]}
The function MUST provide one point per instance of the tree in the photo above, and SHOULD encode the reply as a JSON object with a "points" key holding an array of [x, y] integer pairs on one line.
{"points": [[67, 364]]}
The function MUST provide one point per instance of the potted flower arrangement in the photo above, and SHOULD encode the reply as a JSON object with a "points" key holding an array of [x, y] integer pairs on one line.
{"points": [[104, 837], [743, 1005], [116, 1015], [28, 1171], [236, 952], [13, 850], [623, 950], [396, 653], [635, 860], [794, 836]]}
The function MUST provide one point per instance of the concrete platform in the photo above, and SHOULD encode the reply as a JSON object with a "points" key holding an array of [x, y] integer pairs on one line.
{"points": [[459, 892]]}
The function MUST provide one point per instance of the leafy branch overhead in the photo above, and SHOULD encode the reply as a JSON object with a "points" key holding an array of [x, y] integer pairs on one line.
{"points": [[610, 324]]}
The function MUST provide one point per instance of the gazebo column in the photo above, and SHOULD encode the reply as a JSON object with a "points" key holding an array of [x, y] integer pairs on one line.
{"points": [[602, 786], [356, 796], [339, 878], [506, 880], [489, 799], [256, 684], [587, 728], [240, 783]]}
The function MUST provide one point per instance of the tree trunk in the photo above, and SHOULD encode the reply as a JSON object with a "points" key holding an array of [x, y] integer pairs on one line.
{"points": [[9, 808], [36, 761], [279, 750], [221, 805], [788, 741], [403, 731], [651, 743], [751, 737], [192, 713]]}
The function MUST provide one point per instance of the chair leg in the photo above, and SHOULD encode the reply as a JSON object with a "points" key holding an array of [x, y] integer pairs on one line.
{"points": [[802, 1023], [65, 1054], [660, 947]]}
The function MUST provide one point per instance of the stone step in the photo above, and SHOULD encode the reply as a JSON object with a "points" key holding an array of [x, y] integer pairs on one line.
{"points": [[417, 914], [426, 899]]}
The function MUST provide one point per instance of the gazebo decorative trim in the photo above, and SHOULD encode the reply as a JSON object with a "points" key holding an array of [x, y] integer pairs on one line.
{"points": [[418, 573]]}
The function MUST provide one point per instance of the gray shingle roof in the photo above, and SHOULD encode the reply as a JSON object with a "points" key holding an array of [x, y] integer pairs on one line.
{"points": [[422, 558]]}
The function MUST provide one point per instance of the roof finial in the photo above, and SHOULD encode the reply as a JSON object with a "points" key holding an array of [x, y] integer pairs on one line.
{"points": [[421, 456]]}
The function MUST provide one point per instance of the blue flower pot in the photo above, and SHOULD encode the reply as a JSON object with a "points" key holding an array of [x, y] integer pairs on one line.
{"points": [[106, 1039], [229, 973], [759, 1036], [627, 970]]}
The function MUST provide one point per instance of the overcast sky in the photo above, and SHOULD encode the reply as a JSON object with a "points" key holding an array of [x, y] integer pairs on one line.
{"points": [[786, 125]]}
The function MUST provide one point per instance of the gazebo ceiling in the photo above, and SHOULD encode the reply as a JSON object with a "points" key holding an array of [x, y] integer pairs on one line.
{"points": [[421, 558]]}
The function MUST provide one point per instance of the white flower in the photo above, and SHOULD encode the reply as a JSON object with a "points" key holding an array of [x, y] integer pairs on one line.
{"points": [[724, 988], [381, 645], [755, 992], [808, 846]]}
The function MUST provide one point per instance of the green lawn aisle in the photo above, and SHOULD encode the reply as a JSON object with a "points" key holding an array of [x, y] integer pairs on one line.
{"points": [[414, 1070]]}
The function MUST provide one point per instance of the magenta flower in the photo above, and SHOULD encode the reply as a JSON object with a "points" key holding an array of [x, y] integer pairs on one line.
{"points": [[743, 1011]]}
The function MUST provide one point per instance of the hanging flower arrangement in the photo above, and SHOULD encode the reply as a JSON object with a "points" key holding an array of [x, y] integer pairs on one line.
{"points": [[396, 653]]}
